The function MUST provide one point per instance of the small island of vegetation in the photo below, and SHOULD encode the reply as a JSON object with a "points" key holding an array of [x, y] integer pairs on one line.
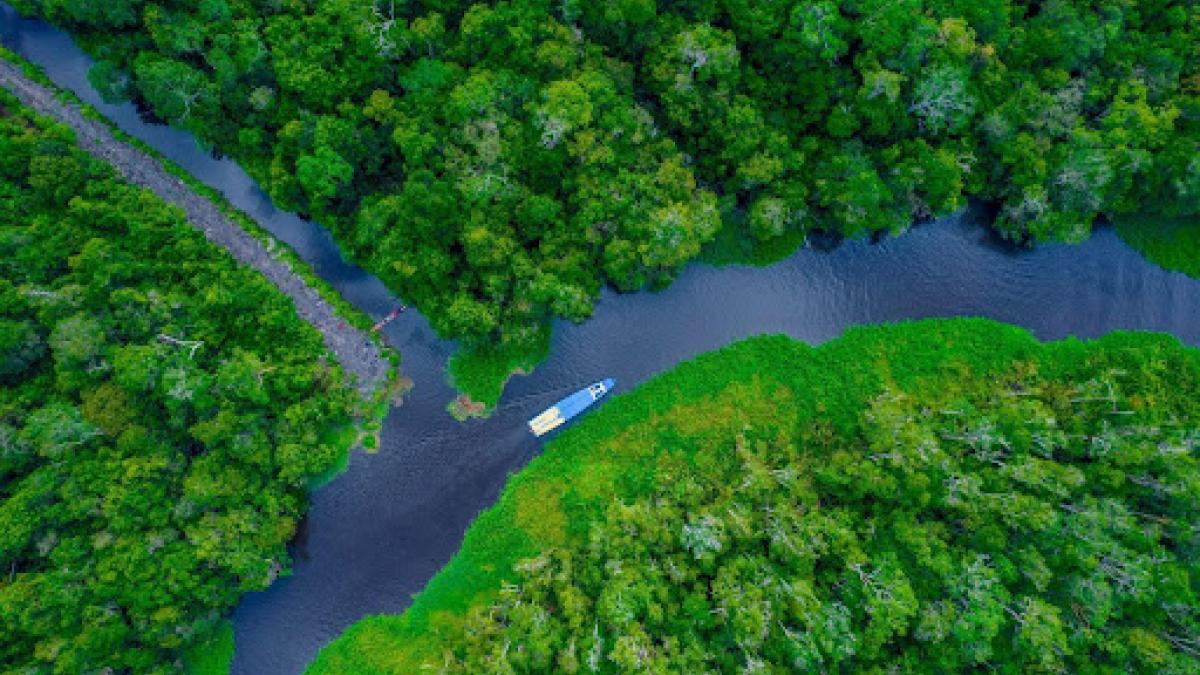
{"points": [[940, 496]]}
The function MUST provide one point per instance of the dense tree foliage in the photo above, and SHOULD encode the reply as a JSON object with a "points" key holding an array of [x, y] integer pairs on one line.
{"points": [[162, 412], [980, 531], [497, 162], [938, 497]]}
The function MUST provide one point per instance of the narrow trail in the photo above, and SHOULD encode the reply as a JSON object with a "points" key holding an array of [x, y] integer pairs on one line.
{"points": [[354, 349]]}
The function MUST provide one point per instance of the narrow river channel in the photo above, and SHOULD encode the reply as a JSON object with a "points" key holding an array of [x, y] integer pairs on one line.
{"points": [[377, 533]]}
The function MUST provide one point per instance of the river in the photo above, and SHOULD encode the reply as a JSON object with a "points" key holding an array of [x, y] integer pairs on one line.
{"points": [[378, 532]]}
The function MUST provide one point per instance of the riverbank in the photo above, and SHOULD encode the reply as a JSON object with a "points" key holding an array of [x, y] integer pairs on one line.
{"points": [[184, 388], [766, 388], [475, 182], [360, 355], [315, 298], [1170, 243], [371, 365], [376, 366]]}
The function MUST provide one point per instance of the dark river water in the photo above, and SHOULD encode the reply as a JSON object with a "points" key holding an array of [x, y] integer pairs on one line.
{"points": [[377, 533]]}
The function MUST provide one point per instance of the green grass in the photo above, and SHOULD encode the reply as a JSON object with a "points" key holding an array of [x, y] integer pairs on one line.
{"points": [[213, 656], [617, 452], [735, 245], [1171, 243], [480, 374]]}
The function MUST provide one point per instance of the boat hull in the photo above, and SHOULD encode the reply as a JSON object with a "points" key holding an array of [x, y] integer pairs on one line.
{"points": [[562, 412]]}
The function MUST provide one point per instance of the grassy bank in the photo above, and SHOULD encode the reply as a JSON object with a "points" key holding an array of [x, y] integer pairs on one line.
{"points": [[213, 656], [1171, 243], [689, 415]]}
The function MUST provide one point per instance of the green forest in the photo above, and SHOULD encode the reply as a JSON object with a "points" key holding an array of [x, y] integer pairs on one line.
{"points": [[939, 496], [163, 412], [498, 163]]}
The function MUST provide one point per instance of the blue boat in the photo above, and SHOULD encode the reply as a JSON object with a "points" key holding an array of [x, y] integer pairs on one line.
{"points": [[559, 413]]}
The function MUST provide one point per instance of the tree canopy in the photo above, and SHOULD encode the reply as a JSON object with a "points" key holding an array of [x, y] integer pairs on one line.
{"points": [[496, 163], [945, 496], [162, 413]]}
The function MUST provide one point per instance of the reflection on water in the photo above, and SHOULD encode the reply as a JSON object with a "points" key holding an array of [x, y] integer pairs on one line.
{"points": [[376, 534]]}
